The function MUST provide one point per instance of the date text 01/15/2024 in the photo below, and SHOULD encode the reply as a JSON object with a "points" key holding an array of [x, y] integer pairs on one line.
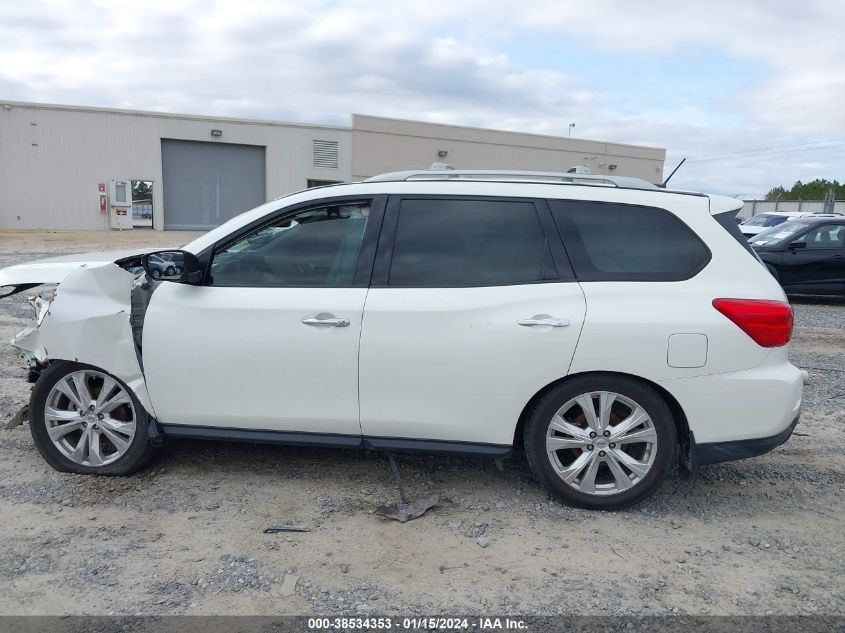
{"points": [[417, 623]]}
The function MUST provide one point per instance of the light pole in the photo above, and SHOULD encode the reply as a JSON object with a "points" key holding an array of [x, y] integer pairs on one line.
{"points": [[571, 125]]}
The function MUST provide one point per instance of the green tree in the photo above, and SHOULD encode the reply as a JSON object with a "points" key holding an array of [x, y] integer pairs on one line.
{"points": [[142, 190], [814, 190]]}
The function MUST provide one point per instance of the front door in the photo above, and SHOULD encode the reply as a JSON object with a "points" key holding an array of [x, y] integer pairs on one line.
{"points": [[271, 340], [819, 266], [472, 311]]}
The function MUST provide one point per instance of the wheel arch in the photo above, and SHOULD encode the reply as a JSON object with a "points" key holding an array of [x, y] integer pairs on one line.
{"points": [[675, 407]]}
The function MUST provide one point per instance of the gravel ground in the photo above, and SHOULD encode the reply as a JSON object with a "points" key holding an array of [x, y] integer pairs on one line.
{"points": [[760, 536]]}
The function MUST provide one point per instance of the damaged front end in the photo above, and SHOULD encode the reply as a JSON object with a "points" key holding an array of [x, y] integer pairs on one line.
{"points": [[94, 317]]}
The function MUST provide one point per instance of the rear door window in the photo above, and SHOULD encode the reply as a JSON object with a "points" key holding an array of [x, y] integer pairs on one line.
{"points": [[462, 242], [619, 242]]}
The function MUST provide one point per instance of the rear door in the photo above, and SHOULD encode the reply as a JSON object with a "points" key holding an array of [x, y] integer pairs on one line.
{"points": [[472, 309]]}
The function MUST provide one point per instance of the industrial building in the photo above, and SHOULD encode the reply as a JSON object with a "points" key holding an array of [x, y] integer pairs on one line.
{"points": [[69, 167]]}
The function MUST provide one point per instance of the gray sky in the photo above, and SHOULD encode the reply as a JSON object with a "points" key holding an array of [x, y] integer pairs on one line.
{"points": [[753, 93]]}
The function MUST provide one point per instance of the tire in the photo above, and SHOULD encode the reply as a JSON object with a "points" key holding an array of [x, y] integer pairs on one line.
{"points": [[156, 273], [625, 472], [128, 452], [170, 271]]}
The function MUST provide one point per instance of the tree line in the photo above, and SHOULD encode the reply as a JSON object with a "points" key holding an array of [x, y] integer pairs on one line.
{"points": [[814, 190]]}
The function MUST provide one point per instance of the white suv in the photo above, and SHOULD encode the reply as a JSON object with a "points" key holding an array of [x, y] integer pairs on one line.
{"points": [[601, 324]]}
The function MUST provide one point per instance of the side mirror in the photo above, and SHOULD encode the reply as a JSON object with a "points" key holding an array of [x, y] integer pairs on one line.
{"points": [[179, 266], [798, 244]]}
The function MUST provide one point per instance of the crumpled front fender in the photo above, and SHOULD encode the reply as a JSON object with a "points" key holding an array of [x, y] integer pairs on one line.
{"points": [[89, 322]]}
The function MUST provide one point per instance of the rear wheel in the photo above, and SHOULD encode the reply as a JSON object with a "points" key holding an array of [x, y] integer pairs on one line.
{"points": [[601, 442], [86, 421]]}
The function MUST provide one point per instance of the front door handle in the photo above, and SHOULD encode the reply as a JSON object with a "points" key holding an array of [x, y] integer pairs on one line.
{"points": [[331, 322], [552, 321]]}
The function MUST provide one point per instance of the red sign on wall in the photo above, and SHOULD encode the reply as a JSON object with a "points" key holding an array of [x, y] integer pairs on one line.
{"points": [[102, 187]]}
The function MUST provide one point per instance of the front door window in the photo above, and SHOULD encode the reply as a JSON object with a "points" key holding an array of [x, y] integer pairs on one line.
{"points": [[315, 247]]}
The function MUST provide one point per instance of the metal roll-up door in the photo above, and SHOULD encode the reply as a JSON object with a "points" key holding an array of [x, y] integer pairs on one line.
{"points": [[205, 184]]}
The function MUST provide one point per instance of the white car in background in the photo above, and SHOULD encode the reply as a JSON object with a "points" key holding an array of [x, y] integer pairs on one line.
{"points": [[763, 221], [601, 324]]}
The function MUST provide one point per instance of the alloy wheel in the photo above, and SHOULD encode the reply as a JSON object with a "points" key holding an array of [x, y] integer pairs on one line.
{"points": [[601, 443], [90, 418]]}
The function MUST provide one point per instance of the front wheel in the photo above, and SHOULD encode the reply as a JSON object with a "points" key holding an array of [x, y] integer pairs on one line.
{"points": [[601, 442], [85, 421]]}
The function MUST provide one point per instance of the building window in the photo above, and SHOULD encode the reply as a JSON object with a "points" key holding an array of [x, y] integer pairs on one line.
{"points": [[322, 183]]}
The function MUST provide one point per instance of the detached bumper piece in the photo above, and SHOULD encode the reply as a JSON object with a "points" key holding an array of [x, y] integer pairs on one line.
{"points": [[717, 452]]}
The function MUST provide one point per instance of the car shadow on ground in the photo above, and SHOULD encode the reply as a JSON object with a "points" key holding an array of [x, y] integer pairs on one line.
{"points": [[744, 488], [197, 475]]}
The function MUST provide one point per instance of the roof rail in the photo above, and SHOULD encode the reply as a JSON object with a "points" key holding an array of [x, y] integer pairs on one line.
{"points": [[545, 177]]}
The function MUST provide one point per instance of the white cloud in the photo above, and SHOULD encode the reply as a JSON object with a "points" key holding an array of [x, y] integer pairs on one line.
{"points": [[319, 61]]}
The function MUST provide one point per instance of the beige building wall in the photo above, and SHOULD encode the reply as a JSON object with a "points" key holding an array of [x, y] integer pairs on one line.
{"points": [[381, 145], [52, 158]]}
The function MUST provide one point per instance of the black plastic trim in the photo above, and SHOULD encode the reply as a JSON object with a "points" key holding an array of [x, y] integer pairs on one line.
{"points": [[717, 452], [727, 220], [335, 440], [555, 242], [259, 436], [436, 447]]}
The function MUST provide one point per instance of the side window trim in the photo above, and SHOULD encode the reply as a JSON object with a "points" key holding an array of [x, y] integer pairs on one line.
{"points": [[366, 252], [387, 239]]}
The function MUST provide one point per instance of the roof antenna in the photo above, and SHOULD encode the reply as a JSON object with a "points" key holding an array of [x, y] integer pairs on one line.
{"points": [[662, 185]]}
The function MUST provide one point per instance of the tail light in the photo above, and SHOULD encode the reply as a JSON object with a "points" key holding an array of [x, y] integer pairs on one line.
{"points": [[769, 323]]}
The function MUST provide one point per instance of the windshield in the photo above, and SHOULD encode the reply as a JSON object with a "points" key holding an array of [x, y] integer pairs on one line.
{"points": [[766, 220], [779, 233]]}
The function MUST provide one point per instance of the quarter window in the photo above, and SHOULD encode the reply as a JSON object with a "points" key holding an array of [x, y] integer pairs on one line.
{"points": [[617, 242], [316, 247], [447, 243]]}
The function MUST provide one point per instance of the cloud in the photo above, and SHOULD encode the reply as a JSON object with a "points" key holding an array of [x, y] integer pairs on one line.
{"points": [[456, 63]]}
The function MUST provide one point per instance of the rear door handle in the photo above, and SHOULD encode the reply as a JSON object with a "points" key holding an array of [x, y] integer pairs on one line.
{"points": [[331, 322], [552, 321]]}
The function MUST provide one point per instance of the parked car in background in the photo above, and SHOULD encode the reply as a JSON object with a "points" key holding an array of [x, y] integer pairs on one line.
{"points": [[806, 255], [763, 221], [163, 265], [602, 324]]}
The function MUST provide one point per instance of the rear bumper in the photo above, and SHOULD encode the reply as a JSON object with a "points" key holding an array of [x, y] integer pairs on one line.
{"points": [[716, 452], [751, 405]]}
